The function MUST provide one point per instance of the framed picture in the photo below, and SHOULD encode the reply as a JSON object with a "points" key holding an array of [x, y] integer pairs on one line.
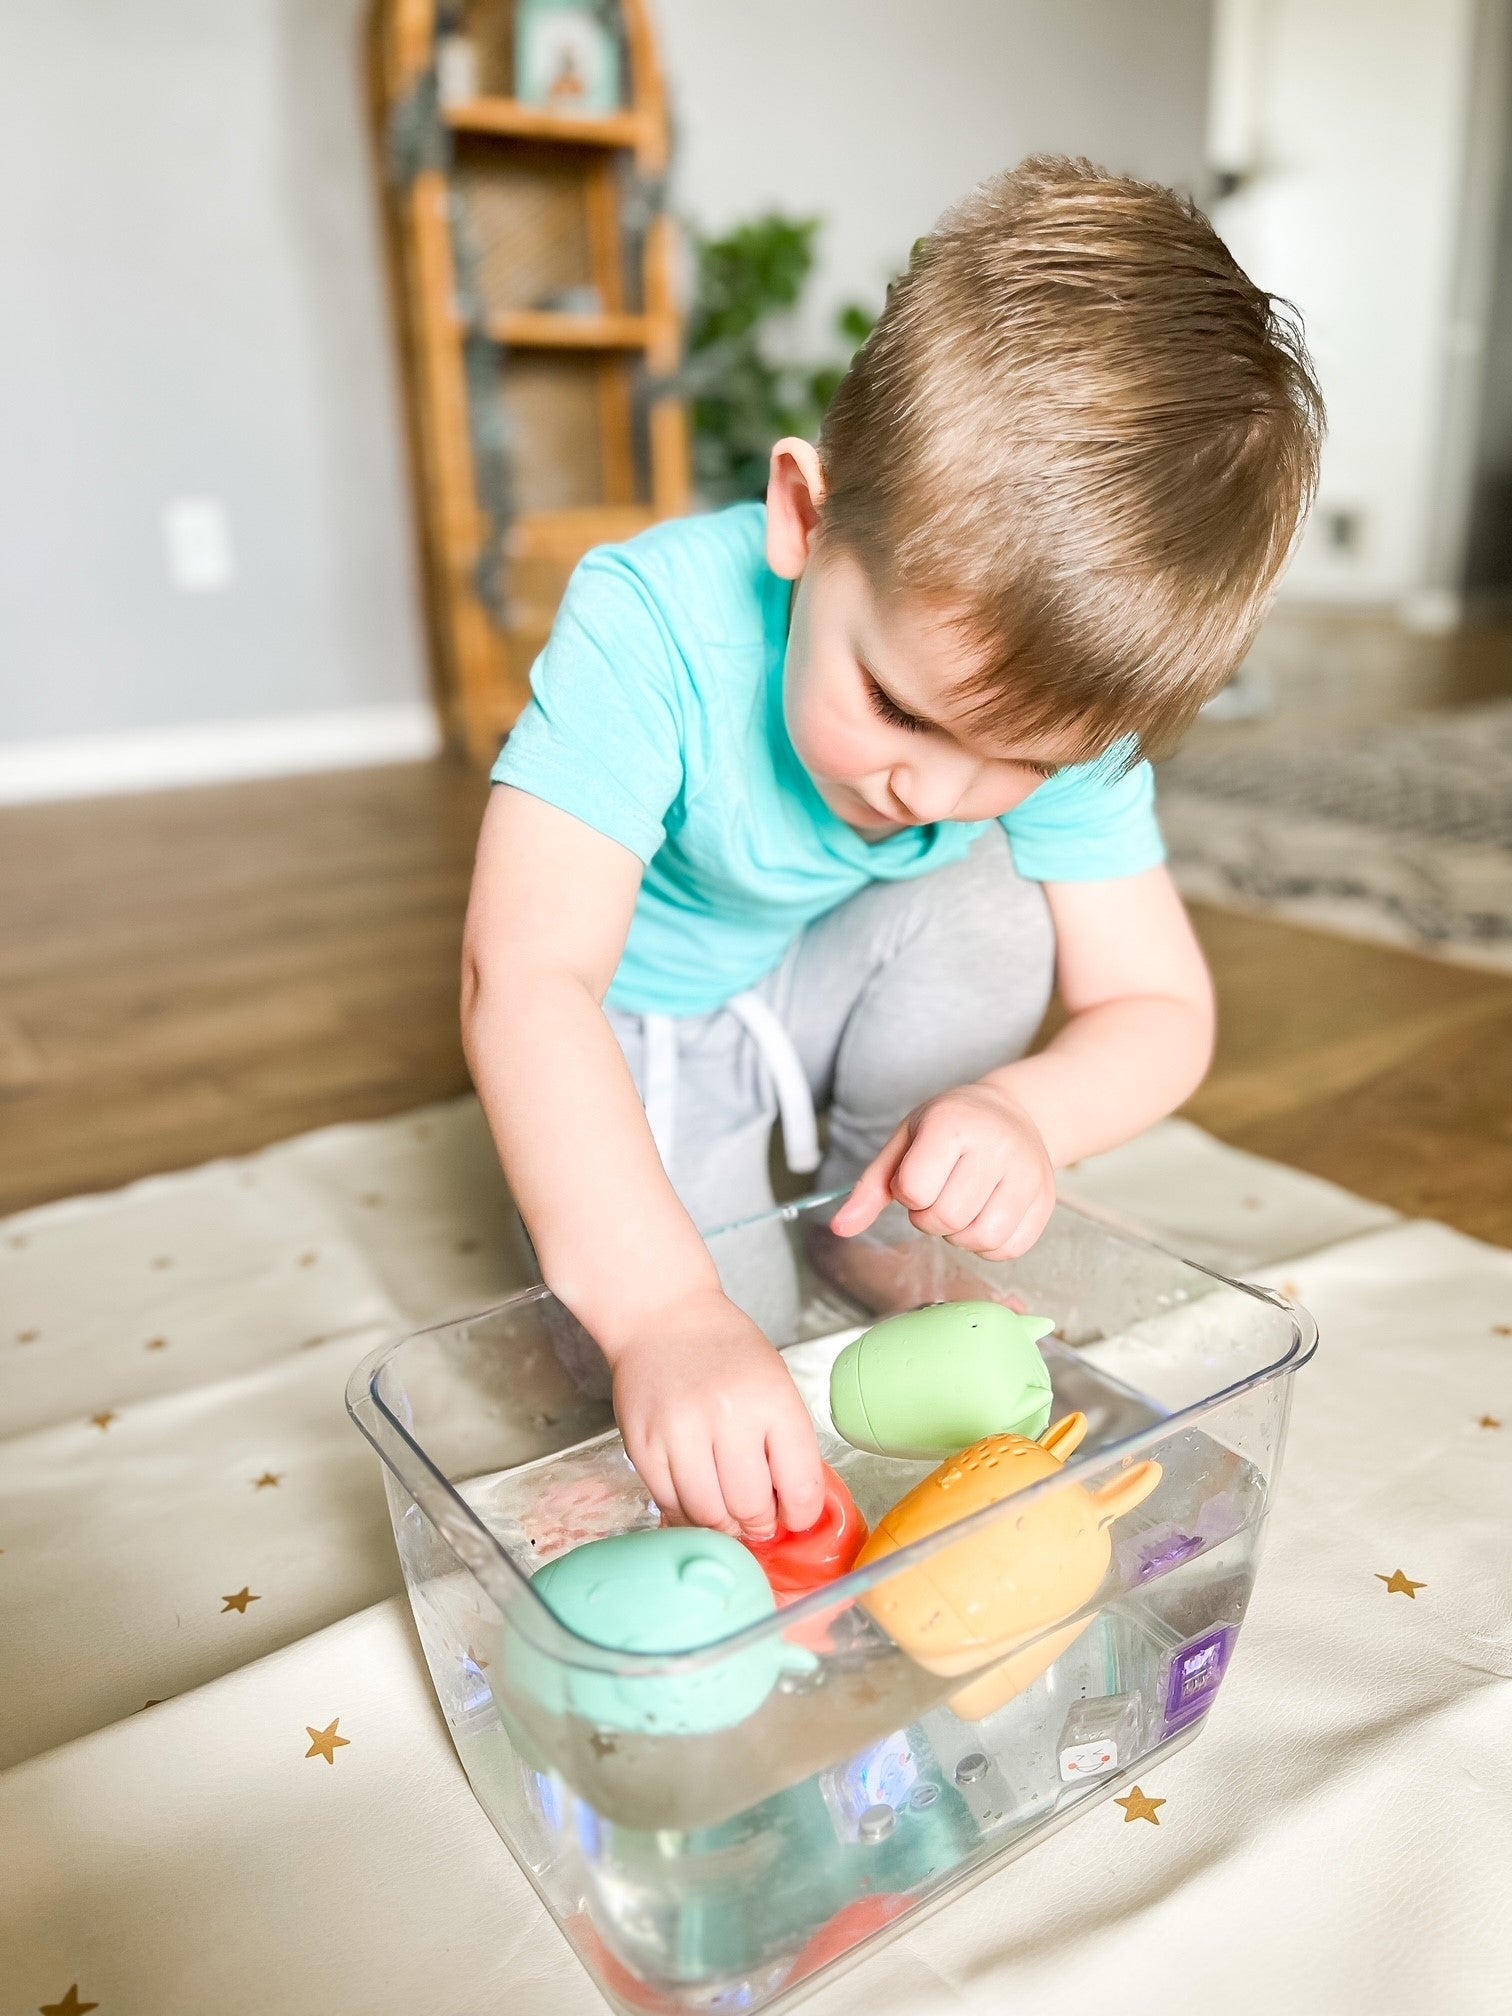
{"points": [[566, 56]]}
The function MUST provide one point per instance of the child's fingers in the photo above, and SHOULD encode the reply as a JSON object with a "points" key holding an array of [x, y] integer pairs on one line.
{"points": [[925, 1169], [697, 1484], [1026, 1229], [994, 1223], [873, 1189], [745, 1482], [654, 1474], [657, 1479], [963, 1195], [793, 1456]]}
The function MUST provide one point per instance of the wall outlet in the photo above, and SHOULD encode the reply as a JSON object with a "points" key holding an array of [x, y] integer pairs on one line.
{"points": [[198, 536]]}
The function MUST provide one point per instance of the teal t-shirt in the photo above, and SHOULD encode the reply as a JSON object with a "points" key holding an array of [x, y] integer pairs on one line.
{"points": [[656, 717]]}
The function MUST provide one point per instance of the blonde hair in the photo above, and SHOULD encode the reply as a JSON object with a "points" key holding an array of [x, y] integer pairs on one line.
{"points": [[1085, 436]]}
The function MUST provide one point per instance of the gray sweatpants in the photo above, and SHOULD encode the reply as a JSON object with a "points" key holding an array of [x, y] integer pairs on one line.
{"points": [[904, 991]]}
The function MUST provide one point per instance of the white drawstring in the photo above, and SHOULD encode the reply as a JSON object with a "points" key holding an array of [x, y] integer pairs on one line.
{"points": [[795, 1103]]}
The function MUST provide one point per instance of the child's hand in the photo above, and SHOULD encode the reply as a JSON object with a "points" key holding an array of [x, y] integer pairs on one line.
{"points": [[969, 1165], [713, 1423]]}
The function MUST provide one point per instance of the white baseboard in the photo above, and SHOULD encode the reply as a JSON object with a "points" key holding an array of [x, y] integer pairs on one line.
{"points": [[216, 752]]}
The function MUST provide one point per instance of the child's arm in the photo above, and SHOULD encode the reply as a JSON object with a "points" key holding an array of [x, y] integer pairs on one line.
{"points": [[977, 1164], [709, 1413]]}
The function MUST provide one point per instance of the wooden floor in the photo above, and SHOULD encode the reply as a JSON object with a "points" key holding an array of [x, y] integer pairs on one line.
{"points": [[201, 972]]}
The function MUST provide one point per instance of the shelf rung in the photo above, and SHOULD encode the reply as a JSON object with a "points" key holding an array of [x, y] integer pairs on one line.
{"points": [[567, 535], [544, 329], [538, 122]]}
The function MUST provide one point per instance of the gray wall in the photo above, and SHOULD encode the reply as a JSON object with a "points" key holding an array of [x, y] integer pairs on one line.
{"points": [[191, 295], [192, 304], [876, 114]]}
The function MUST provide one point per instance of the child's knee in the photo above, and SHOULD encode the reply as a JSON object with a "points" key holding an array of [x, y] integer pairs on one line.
{"points": [[964, 994], [994, 936]]}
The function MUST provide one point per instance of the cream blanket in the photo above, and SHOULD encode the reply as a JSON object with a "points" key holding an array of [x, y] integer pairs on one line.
{"points": [[187, 1518]]}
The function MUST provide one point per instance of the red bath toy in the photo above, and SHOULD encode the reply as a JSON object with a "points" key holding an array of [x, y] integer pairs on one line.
{"points": [[861, 1919], [795, 1563]]}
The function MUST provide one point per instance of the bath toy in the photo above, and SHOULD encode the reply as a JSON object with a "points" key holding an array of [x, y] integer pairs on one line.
{"points": [[1193, 1674], [979, 1603], [1098, 1735], [668, 1590], [604, 1963], [795, 1563], [753, 1891], [930, 1383], [860, 1920]]}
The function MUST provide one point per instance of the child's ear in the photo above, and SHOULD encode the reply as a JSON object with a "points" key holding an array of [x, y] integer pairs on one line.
{"points": [[795, 491]]}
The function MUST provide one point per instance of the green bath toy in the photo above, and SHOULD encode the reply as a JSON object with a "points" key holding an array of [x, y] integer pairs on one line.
{"points": [[667, 1590], [930, 1383]]}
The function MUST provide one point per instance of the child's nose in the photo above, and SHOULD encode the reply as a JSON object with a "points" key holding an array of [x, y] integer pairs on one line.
{"points": [[933, 792]]}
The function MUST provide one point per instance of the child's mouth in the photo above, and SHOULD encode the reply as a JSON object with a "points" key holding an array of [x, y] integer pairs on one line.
{"points": [[867, 815]]}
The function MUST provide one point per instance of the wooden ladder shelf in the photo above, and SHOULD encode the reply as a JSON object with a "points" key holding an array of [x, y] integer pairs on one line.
{"points": [[597, 450]]}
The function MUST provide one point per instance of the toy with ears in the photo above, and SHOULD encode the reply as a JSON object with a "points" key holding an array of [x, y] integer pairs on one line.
{"points": [[981, 1603]]}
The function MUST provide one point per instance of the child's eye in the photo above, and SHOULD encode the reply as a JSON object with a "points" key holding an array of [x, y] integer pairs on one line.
{"points": [[887, 709]]}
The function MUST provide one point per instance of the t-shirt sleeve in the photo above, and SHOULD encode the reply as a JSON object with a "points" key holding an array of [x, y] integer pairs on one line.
{"points": [[1091, 823], [603, 734]]}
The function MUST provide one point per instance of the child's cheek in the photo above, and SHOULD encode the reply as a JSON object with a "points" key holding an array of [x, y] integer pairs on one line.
{"points": [[828, 743]]}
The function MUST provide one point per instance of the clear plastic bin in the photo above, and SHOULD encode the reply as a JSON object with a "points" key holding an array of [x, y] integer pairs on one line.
{"points": [[726, 1868]]}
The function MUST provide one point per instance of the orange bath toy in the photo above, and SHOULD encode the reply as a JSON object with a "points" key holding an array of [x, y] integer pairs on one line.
{"points": [[976, 1604]]}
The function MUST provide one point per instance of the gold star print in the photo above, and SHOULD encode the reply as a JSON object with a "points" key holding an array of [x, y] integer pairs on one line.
{"points": [[239, 1601], [27, 1336], [307, 1259], [269, 1481], [103, 1421], [1398, 1585], [161, 1262], [1137, 1807], [325, 1742], [1489, 1421], [69, 2006], [1501, 1329], [157, 1344]]}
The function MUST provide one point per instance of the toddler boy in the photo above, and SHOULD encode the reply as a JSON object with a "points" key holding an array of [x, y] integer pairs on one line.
{"points": [[818, 800]]}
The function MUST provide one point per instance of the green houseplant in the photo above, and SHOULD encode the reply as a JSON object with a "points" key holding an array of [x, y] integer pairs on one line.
{"points": [[741, 400]]}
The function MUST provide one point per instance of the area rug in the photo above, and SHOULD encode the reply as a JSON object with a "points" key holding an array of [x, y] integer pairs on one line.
{"points": [[1401, 834], [229, 1788]]}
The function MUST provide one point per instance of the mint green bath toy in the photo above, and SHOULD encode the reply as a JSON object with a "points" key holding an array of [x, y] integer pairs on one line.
{"points": [[666, 1590], [930, 1383]]}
